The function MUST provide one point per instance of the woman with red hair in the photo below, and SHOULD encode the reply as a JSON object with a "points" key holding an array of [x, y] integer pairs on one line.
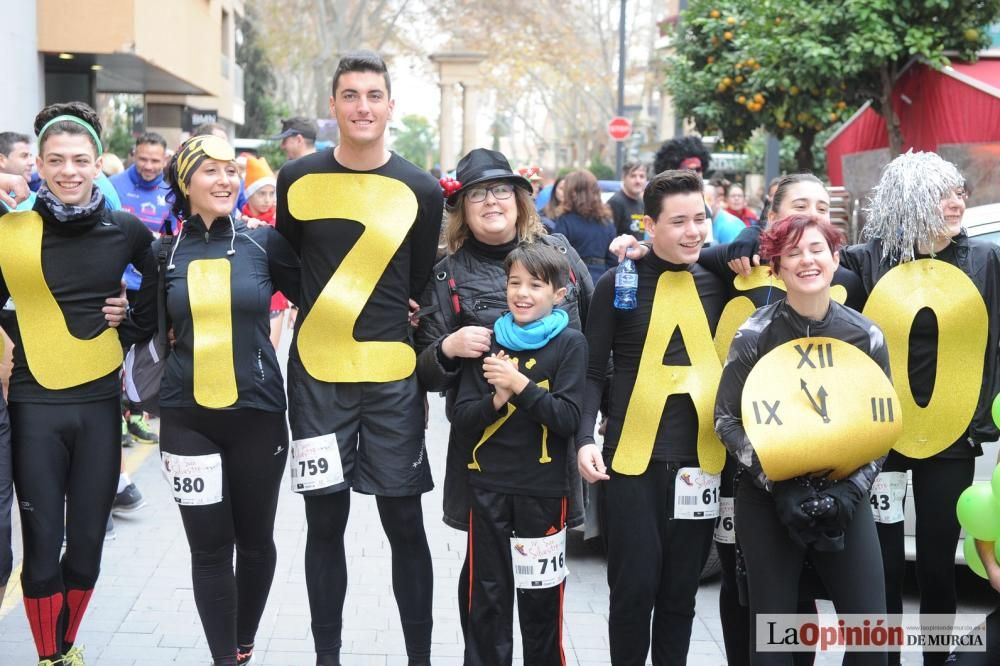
{"points": [[784, 517]]}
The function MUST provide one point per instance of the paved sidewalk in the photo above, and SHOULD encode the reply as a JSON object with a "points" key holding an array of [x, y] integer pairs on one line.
{"points": [[143, 611]]}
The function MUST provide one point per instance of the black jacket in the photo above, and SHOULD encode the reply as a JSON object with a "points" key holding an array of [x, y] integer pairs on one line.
{"points": [[262, 263], [980, 261], [474, 280], [768, 328]]}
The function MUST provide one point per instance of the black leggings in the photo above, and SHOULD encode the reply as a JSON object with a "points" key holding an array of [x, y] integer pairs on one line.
{"points": [[66, 461], [253, 445], [326, 571], [654, 565], [937, 483], [774, 566]]}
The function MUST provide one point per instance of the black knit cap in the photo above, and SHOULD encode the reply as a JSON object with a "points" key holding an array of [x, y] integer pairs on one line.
{"points": [[481, 165]]}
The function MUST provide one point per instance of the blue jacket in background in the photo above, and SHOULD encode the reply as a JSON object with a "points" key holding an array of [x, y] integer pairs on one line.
{"points": [[147, 200], [590, 239], [726, 227]]}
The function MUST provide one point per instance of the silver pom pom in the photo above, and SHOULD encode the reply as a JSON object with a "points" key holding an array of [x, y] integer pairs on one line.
{"points": [[905, 207]]}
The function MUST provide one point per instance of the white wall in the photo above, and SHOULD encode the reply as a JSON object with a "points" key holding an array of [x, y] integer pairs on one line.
{"points": [[23, 85]]}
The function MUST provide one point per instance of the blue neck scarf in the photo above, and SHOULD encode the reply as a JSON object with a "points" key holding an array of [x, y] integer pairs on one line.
{"points": [[535, 335]]}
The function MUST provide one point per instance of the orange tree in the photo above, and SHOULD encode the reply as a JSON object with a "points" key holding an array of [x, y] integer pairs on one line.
{"points": [[796, 67]]}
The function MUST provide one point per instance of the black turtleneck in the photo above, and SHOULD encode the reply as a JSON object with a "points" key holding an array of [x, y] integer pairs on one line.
{"points": [[262, 261], [82, 261], [490, 251], [622, 334]]}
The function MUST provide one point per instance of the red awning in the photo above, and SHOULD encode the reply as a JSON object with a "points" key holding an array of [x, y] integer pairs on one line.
{"points": [[960, 104]]}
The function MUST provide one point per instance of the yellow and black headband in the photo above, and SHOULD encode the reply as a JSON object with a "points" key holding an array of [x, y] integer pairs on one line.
{"points": [[195, 151]]}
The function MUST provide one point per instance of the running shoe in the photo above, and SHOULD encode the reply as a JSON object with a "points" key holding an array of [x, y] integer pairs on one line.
{"points": [[140, 430], [129, 500], [109, 533], [49, 662], [126, 437], [74, 657], [244, 658]]}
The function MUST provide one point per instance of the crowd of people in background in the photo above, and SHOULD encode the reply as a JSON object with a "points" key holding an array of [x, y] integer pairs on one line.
{"points": [[506, 295]]}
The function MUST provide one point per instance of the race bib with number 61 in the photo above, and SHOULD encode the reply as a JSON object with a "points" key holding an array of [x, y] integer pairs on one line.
{"points": [[886, 497], [194, 480], [539, 563], [315, 463], [696, 494]]}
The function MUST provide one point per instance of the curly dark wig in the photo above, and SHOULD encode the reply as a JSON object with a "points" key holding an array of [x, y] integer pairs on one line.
{"points": [[673, 152]]}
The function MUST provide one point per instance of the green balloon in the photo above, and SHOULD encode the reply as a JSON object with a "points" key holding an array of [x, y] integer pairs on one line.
{"points": [[972, 558], [979, 513], [996, 410], [995, 481]]}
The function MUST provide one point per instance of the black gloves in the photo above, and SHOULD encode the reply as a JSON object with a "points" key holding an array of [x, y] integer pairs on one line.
{"points": [[746, 244], [815, 517], [847, 496], [792, 500]]}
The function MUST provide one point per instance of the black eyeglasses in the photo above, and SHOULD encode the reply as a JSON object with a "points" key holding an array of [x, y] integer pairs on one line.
{"points": [[500, 192]]}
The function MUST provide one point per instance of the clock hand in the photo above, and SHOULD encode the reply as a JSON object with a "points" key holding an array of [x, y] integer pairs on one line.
{"points": [[821, 394], [821, 412]]}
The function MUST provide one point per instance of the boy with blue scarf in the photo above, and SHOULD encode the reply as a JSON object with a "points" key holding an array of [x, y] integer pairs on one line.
{"points": [[519, 409]]}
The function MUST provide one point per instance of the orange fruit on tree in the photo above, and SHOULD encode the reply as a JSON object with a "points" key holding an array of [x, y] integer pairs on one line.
{"points": [[715, 13], [726, 81], [793, 91], [742, 99], [731, 20], [841, 105], [710, 59], [727, 35], [738, 80]]}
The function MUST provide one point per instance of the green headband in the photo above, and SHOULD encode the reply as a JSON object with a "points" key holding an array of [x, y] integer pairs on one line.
{"points": [[79, 121]]}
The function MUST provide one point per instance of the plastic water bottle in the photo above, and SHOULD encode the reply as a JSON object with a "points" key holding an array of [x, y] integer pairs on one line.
{"points": [[626, 285]]}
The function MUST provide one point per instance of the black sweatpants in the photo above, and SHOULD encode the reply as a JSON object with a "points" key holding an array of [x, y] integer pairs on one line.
{"points": [[489, 639], [253, 445], [654, 564], [774, 563], [66, 461], [326, 571], [937, 483]]}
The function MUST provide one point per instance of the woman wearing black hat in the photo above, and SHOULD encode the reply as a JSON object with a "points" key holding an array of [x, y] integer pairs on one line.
{"points": [[490, 212]]}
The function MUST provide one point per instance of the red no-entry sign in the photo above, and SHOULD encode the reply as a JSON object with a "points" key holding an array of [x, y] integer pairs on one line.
{"points": [[619, 128]]}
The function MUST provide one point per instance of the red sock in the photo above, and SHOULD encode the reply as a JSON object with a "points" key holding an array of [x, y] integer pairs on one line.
{"points": [[76, 604], [43, 617]]}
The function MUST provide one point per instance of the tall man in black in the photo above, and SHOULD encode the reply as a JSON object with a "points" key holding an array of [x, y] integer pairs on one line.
{"points": [[659, 448], [365, 223]]}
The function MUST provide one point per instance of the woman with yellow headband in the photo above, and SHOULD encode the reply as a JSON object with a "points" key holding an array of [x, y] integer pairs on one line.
{"points": [[223, 438], [59, 263]]}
